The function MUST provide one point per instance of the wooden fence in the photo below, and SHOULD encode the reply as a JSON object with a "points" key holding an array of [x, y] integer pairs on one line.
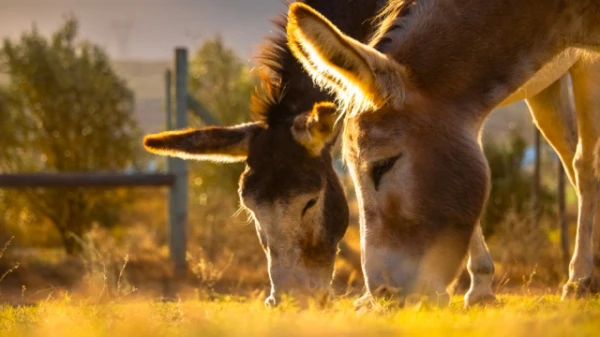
{"points": [[176, 177]]}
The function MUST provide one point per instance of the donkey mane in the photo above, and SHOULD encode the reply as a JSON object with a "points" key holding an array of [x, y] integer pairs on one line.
{"points": [[386, 21], [281, 77], [267, 97]]}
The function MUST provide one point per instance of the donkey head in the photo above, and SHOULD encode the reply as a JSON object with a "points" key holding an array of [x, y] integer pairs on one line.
{"points": [[419, 173], [289, 186]]}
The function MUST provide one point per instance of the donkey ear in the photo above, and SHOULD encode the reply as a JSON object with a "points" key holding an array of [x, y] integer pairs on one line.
{"points": [[315, 129], [220, 144], [362, 77]]}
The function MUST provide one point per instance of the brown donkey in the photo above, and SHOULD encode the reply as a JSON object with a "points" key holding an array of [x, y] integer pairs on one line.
{"points": [[289, 184], [415, 98]]}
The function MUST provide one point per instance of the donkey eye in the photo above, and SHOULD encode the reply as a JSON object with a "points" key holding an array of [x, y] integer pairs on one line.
{"points": [[309, 204], [382, 167]]}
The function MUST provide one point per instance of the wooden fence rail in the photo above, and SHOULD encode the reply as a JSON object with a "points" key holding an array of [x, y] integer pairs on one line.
{"points": [[73, 180]]}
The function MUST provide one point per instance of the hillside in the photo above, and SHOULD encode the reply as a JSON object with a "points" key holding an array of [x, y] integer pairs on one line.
{"points": [[147, 79]]}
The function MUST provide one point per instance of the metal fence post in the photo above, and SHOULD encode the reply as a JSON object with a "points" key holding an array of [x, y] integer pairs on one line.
{"points": [[178, 195]]}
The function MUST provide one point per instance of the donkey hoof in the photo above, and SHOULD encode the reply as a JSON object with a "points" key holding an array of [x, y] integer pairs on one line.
{"points": [[576, 289], [364, 303], [271, 302], [472, 299]]}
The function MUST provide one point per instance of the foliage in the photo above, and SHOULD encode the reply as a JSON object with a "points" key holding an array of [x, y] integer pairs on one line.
{"points": [[8, 120], [222, 81], [511, 185], [66, 111]]}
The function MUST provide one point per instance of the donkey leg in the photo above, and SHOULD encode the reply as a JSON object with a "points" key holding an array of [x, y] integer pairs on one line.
{"points": [[586, 89], [555, 117], [481, 270]]}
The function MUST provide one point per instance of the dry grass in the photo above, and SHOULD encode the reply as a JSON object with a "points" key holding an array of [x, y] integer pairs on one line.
{"points": [[121, 273], [515, 316], [113, 287]]}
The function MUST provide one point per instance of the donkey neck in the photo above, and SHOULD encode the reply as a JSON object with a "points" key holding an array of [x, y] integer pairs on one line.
{"points": [[472, 54]]}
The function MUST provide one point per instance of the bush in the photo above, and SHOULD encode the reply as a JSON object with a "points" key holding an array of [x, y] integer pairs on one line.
{"points": [[67, 111], [511, 186]]}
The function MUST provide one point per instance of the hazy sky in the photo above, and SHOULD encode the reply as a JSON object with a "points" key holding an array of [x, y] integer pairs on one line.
{"points": [[156, 26]]}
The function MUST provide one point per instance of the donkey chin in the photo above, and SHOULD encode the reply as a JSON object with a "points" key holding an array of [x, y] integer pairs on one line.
{"points": [[300, 284]]}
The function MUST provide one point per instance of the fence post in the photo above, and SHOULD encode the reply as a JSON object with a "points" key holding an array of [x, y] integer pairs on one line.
{"points": [[178, 195]]}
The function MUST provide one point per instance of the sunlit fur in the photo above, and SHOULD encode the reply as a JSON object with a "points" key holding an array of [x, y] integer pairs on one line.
{"points": [[350, 79], [227, 145], [362, 78], [315, 130], [391, 14]]}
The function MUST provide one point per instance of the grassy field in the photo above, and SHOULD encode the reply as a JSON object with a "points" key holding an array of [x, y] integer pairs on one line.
{"points": [[513, 316]]}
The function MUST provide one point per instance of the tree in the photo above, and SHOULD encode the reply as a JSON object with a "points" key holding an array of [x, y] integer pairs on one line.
{"points": [[222, 81], [67, 111], [6, 122]]}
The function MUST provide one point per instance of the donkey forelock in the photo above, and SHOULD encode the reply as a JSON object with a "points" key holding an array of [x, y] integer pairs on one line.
{"points": [[284, 91]]}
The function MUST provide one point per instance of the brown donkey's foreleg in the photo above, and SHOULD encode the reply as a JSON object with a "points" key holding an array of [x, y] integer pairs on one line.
{"points": [[555, 117], [553, 114], [586, 89], [481, 270]]}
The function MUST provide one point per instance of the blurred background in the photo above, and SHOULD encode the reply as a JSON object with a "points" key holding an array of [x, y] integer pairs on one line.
{"points": [[82, 81]]}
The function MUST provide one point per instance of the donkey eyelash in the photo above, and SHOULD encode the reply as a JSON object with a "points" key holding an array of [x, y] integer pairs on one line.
{"points": [[310, 204], [381, 167]]}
